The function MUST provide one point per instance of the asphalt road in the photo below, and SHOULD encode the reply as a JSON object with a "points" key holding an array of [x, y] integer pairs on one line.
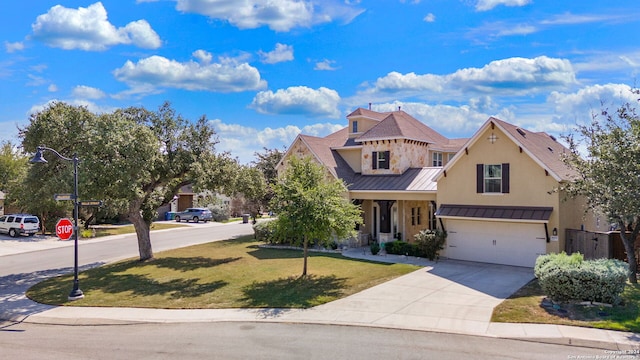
{"points": [[235, 340], [248, 340], [99, 251]]}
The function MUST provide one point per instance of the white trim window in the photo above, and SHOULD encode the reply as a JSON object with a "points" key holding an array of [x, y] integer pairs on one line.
{"points": [[436, 159]]}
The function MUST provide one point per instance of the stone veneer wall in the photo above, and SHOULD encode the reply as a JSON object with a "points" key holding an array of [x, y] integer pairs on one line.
{"points": [[404, 154]]}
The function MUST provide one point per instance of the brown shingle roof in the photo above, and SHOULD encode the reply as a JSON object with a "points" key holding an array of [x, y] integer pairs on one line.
{"points": [[368, 113], [541, 146], [321, 147], [399, 124]]}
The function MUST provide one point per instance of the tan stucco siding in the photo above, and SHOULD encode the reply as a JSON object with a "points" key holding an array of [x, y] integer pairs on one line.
{"points": [[529, 185], [364, 125], [404, 154], [353, 157]]}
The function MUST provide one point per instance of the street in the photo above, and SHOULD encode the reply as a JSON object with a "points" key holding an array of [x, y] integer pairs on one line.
{"points": [[225, 340], [249, 340]]}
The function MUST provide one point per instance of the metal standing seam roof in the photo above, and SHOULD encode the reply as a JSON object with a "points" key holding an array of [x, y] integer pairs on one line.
{"points": [[530, 213], [413, 179]]}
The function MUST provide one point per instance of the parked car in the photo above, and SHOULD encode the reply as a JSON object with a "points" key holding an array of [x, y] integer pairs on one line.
{"points": [[19, 224], [194, 214]]}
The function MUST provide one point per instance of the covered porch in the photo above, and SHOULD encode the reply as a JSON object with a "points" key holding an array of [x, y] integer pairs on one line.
{"points": [[395, 207]]}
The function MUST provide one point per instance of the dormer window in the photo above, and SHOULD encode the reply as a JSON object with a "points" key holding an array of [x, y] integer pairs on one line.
{"points": [[354, 126], [380, 160], [437, 159]]}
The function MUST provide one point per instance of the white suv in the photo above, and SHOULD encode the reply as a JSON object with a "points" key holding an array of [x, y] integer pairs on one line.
{"points": [[18, 224]]}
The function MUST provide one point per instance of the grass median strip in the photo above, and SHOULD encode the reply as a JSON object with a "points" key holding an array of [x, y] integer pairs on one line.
{"points": [[224, 274]]}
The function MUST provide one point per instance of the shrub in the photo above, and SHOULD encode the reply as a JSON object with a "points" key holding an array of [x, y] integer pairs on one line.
{"points": [[264, 231], [565, 277], [401, 248], [87, 233], [375, 248], [430, 242]]}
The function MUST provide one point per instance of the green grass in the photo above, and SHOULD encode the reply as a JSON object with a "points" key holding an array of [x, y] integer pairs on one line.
{"points": [[525, 306], [225, 274], [128, 229]]}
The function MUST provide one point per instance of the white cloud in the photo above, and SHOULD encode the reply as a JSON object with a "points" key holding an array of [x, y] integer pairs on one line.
{"points": [[89, 29], [446, 119], [233, 137], [429, 18], [13, 46], [325, 65], [521, 75], [278, 15], [298, 100], [154, 72], [91, 106], [52, 88], [87, 92], [512, 76], [281, 53], [484, 5], [581, 104], [203, 56]]}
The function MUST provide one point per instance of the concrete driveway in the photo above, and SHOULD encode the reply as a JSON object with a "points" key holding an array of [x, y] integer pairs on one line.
{"points": [[450, 295]]}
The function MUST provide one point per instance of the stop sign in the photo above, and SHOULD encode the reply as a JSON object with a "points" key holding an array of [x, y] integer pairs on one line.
{"points": [[64, 229]]}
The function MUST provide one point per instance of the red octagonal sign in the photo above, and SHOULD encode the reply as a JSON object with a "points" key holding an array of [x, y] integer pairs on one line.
{"points": [[64, 229]]}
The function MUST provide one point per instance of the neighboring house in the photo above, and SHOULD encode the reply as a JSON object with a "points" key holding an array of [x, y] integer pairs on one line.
{"points": [[496, 194]]}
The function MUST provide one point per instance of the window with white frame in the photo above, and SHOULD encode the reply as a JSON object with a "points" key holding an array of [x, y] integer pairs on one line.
{"points": [[493, 178], [354, 126], [437, 159]]}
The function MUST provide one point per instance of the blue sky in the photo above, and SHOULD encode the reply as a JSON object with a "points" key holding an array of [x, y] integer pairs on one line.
{"points": [[265, 70]]}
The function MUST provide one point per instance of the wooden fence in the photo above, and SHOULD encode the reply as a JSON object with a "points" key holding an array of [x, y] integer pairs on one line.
{"points": [[596, 245]]}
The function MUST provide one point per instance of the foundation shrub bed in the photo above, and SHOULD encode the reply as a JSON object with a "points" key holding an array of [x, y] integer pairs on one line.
{"points": [[566, 278]]}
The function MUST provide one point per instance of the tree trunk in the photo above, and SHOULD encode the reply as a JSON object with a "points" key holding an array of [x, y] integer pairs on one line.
{"points": [[142, 231], [628, 240], [305, 246]]}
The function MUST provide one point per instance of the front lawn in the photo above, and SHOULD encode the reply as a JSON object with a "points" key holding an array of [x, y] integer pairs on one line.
{"points": [[224, 274], [526, 306]]}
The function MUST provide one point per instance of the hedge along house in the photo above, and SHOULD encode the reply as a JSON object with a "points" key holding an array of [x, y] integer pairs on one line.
{"points": [[500, 197], [388, 162]]}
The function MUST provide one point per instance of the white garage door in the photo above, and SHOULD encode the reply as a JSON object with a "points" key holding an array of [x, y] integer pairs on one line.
{"points": [[495, 242]]}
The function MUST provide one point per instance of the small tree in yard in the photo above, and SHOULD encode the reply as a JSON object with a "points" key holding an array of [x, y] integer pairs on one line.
{"points": [[609, 175], [311, 206]]}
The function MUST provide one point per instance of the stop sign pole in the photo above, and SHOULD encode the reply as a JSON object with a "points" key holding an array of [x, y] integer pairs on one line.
{"points": [[76, 293]]}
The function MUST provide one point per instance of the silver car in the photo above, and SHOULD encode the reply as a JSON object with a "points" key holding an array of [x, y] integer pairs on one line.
{"points": [[194, 214]]}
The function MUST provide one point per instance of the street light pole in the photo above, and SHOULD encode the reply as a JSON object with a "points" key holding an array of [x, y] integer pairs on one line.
{"points": [[76, 293]]}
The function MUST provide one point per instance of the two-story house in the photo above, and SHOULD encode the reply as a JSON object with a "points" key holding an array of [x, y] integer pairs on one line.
{"points": [[388, 161], [497, 194]]}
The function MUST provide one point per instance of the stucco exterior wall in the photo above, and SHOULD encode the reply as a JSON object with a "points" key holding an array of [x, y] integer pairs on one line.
{"points": [[353, 157], [528, 183], [364, 125], [404, 154]]}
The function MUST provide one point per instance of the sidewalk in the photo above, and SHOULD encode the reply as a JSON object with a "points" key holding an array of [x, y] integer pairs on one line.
{"points": [[446, 296]]}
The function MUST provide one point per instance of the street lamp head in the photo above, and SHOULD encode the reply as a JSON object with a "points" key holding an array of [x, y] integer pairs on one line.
{"points": [[38, 158]]}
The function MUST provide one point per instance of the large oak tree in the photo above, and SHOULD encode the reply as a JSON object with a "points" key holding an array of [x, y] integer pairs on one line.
{"points": [[133, 158]]}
